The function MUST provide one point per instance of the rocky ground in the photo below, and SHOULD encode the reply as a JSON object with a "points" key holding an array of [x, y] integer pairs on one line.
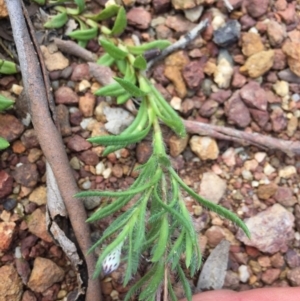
{"points": [[244, 73]]}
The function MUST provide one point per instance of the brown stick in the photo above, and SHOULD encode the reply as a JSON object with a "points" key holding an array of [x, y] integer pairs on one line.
{"points": [[50, 139], [289, 147], [72, 48]]}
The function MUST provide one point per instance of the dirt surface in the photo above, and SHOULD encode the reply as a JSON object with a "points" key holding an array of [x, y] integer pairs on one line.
{"points": [[243, 73]]}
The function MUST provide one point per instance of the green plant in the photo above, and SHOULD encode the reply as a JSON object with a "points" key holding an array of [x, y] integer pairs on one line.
{"points": [[5, 103], [7, 67], [158, 223]]}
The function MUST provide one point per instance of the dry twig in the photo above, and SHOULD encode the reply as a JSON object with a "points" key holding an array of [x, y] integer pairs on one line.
{"points": [[224, 133], [181, 43], [50, 138], [72, 48]]}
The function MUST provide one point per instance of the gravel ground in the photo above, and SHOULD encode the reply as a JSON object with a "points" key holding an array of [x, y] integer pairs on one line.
{"points": [[243, 73]]}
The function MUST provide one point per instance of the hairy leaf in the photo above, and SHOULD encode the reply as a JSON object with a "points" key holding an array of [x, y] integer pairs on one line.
{"points": [[120, 22], [153, 285], [105, 60], [112, 49], [129, 87], [121, 139], [140, 63], [123, 98], [84, 34], [118, 223], [114, 89], [162, 242], [140, 283], [186, 286], [57, 21], [108, 12], [160, 44]]}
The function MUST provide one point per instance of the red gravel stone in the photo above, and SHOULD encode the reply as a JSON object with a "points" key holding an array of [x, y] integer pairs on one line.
{"points": [[65, 95], [6, 184]]}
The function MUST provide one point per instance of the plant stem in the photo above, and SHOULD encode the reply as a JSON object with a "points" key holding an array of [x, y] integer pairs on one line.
{"points": [[158, 147]]}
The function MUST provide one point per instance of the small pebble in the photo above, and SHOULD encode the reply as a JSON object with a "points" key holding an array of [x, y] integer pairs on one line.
{"points": [[243, 273], [100, 168], [106, 173], [260, 156], [86, 185], [247, 175], [268, 169]]}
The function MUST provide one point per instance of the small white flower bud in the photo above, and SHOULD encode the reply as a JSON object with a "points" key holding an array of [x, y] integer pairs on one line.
{"points": [[112, 260]]}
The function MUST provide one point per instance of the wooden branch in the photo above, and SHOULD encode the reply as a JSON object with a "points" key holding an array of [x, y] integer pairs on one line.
{"points": [[72, 48], [291, 148], [181, 43], [50, 139]]}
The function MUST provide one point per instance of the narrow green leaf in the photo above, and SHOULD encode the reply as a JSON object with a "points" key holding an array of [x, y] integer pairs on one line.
{"points": [[5, 103], [130, 74], [7, 67], [129, 87], [56, 2], [186, 223], [152, 286], [82, 25], [105, 14], [171, 290], [105, 60], [156, 216], [3, 143], [40, 2], [162, 242], [137, 125], [91, 23], [128, 192], [122, 65], [82, 43], [140, 63], [84, 34], [57, 21], [80, 4], [195, 263], [120, 22], [109, 209], [118, 223], [160, 44], [121, 140], [167, 114], [139, 234], [213, 207], [185, 283], [123, 98], [113, 89], [105, 30], [140, 283], [188, 250], [176, 250], [193, 238], [112, 50]]}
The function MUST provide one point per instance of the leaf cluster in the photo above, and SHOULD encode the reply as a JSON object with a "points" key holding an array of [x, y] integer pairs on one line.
{"points": [[158, 222], [89, 27]]}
